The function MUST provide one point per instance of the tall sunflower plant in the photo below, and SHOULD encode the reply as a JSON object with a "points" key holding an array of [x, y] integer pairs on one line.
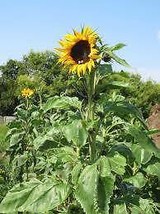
{"points": [[93, 154]]}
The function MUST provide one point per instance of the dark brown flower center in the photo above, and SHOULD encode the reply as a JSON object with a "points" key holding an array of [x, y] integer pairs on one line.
{"points": [[80, 52]]}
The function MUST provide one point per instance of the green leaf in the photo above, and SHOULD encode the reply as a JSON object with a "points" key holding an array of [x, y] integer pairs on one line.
{"points": [[104, 69], [142, 156], [122, 108], [62, 103], [137, 180], [20, 160], [118, 59], [105, 191], [47, 140], [104, 166], [153, 169], [118, 84], [35, 197], [86, 189], [66, 154], [75, 132], [76, 172], [141, 137], [118, 163], [120, 209], [145, 206], [16, 138], [117, 47], [123, 150]]}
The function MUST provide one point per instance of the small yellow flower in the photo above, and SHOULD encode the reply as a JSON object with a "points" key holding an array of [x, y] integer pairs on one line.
{"points": [[26, 92], [78, 51]]}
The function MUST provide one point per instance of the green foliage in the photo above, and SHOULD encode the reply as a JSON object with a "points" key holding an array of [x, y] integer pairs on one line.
{"points": [[3, 132]]}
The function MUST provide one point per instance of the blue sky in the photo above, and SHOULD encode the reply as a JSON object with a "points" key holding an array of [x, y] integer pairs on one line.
{"points": [[38, 25]]}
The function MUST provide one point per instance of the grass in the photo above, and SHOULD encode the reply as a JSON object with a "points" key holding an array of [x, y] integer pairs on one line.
{"points": [[3, 131]]}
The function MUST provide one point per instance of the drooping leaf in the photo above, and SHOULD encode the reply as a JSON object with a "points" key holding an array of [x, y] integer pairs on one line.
{"points": [[117, 47], [85, 192], [123, 108], [35, 197], [118, 59]]}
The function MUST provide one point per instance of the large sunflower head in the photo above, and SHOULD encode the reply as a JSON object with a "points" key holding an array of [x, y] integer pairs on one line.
{"points": [[78, 51]]}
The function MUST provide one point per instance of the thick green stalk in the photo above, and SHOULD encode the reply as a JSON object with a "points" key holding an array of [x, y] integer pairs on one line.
{"points": [[90, 113]]}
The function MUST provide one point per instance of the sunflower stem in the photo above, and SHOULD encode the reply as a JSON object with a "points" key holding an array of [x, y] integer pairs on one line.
{"points": [[90, 114]]}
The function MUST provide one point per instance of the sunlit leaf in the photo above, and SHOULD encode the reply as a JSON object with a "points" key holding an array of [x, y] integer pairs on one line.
{"points": [[119, 209], [75, 132], [86, 189], [153, 169], [118, 163], [61, 103], [34, 196]]}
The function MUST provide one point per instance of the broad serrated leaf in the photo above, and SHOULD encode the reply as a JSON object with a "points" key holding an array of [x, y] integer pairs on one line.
{"points": [[17, 196], [75, 132], [61, 103], [153, 169], [86, 189], [118, 163], [35, 197], [105, 191], [137, 180]]}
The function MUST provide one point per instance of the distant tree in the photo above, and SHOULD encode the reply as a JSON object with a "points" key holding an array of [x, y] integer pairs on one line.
{"points": [[49, 79]]}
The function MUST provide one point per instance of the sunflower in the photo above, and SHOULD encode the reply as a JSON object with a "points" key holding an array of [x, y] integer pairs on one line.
{"points": [[26, 92], [78, 51]]}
